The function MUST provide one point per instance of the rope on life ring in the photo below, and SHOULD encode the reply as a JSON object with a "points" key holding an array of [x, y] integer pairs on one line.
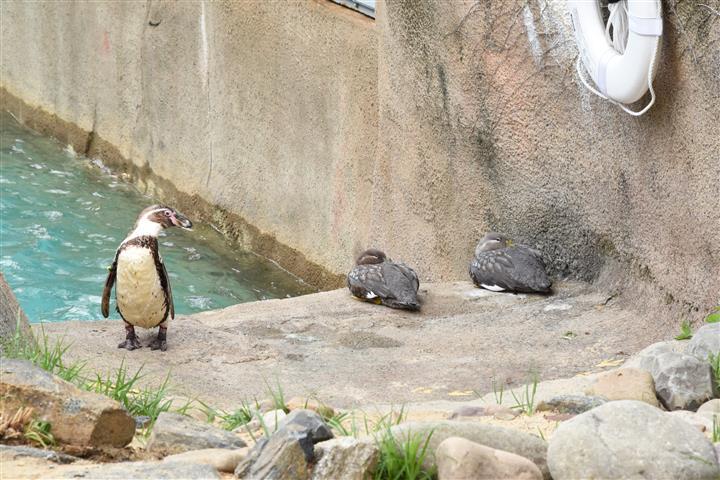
{"points": [[625, 26]]}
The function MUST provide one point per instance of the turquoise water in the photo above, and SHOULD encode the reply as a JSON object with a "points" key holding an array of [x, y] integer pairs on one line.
{"points": [[62, 217]]}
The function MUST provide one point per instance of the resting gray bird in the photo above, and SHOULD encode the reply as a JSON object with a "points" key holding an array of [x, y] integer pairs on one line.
{"points": [[143, 293], [377, 279], [498, 265]]}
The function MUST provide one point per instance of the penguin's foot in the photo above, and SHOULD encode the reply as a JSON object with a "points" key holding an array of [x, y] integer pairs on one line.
{"points": [[130, 343], [160, 343]]}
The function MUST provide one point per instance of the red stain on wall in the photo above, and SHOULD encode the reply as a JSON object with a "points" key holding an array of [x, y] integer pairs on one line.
{"points": [[106, 43]]}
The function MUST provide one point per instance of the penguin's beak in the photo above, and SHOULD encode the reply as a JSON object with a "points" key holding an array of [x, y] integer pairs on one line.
{"points": [[180, 220]]}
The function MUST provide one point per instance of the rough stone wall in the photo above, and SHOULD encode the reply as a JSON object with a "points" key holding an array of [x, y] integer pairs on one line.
{"points": [[485, 126], [415, 133]]}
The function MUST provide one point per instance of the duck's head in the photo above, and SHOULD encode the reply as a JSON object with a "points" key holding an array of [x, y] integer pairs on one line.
{"points": [[157, 217], [371, 256], [492, 241]]}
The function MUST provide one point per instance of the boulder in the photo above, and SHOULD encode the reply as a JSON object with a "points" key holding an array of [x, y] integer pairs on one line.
{"points": [[76, 417], [11, 315], [625, 384], [705, 341], [701, 422], [571, 404], [281, 457], [461, 459], [148, 470], [682, 381], [175, 433], [289, 451], [221, 459], [630, 439], [310, 422], [345, 458], [272, 419], [500, 438]]}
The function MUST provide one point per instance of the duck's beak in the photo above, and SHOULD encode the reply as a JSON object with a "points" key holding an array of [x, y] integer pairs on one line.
{"points": [[180, 220]]}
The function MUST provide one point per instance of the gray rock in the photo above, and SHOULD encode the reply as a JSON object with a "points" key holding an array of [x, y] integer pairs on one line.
{"points": [[513, 441], [705, 341], [8, 452], [701, 422], [281, 457], [458, 458], [630, 439], [310, 422], [345, 458], [177, 433], [277, 457], [653, 351], [571, 403], [76, 417], [682, 381], [148, 470], [11, 315]]}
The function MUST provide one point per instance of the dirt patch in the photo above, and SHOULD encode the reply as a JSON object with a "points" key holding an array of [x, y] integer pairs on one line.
{"points": [[363, 340]]}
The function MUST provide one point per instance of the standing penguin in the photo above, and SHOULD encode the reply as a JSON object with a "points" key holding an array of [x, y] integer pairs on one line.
{"points": [[500, 266], [377, 279], [143, 293]]}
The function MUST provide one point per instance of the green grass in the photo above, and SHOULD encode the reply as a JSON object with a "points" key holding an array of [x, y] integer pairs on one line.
{"points": [[715, 316], [277, 395], [685, 331], [716, 429], [121, 385], [403, 459], [39, 432], [526, 402]]}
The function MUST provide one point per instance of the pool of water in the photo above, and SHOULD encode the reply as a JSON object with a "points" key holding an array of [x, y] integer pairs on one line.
{"points": [[62, 217]]}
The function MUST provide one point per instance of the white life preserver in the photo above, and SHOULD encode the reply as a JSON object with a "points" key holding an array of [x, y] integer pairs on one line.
{"points": [[619, 77]]}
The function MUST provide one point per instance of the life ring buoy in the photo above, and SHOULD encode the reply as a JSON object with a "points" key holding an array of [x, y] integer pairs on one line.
{"points": [[621, 77]]}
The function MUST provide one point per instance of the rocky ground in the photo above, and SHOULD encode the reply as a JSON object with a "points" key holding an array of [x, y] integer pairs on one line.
{"points": [[593, 411], [350, 353]]}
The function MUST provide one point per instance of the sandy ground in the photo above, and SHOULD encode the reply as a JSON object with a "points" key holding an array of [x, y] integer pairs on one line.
{"points": [[348, 353]]}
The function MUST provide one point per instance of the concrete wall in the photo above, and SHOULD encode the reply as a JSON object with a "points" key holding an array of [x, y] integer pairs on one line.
{"points": [[416, 132]]}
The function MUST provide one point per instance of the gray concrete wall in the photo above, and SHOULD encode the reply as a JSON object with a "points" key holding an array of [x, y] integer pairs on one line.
{"points": [[416, 132]]}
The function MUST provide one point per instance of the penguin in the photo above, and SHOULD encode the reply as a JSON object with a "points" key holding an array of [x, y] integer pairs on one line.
{"points": [[500, 266], [377, 279], [143, 295]]}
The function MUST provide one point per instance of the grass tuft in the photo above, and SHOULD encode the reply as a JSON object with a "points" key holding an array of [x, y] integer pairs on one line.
{"points": [[277, 395], [526, 402], [685, 331], [715, 316], [402, 460], [716, 429]]}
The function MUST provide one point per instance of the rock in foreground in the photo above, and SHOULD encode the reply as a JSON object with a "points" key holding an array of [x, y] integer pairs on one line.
{"points": [[458, 458], [630, 439], [76, 417], [221, 459], [177, 433], [345, 458], [625, 384], [513, 441]]}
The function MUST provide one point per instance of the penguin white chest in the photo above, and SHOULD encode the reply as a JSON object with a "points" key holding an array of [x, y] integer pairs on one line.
{"points": [[140, 296]]}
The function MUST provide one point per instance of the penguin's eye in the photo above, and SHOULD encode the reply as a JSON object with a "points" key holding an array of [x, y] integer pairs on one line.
{"points": [[168, 213]]}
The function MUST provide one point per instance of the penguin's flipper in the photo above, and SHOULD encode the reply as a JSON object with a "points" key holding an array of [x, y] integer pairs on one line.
{"points": [[109, 282], [165, 283]]}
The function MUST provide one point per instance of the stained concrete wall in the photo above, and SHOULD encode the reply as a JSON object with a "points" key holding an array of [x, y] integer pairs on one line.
{"points": [[416, 132]]}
